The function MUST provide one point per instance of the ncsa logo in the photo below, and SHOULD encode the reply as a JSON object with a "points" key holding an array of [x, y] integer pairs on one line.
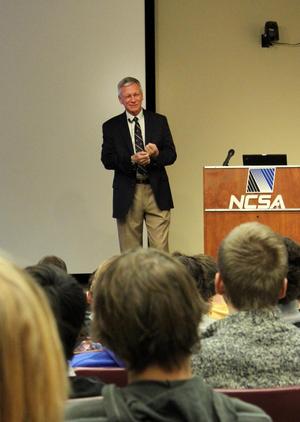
{"points": [[260, 185], [256, 202]]}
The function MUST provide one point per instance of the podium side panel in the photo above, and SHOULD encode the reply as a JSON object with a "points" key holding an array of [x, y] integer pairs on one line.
{"points": [[219, 224]]}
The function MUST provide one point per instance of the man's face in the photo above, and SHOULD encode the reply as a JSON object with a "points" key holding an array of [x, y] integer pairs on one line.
{"points": [[131, 97]]}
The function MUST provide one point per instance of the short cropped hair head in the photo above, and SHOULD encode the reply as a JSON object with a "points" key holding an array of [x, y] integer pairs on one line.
{"points": [[147, 309], [293, 275], [33, 383], [128, 80], [252, 261], [67, 300], [203, 270]]}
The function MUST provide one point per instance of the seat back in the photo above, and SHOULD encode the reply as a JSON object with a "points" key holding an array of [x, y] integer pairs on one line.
{"points": [[281, 403], [116, 376]]}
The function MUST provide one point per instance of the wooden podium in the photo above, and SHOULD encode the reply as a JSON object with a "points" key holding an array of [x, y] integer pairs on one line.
{"points": [[235, 195]]}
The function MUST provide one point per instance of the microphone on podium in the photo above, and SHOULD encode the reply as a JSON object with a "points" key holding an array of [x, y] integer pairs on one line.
{"points": [[229, 155]]}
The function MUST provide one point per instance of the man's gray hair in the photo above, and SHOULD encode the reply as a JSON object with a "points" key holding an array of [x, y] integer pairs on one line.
{"points": [[129, 80]]}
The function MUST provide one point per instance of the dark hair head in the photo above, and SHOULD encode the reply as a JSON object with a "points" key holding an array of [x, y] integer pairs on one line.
{"points": [[203, 270], [67, 300], [293, 275], [147, 309], [54, 260], [253, 264]]}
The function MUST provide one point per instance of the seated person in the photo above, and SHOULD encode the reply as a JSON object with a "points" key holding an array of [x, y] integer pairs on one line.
{"points": [[289, 305], [54, 260], [84, 341], [91, 353], [33, 376], [219, 309], [203, 270], [67, 300], [253, 347], [101, 357], [147, 310]]}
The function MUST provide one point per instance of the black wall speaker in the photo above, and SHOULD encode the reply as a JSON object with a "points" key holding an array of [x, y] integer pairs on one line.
{"points": [[270, 35]]}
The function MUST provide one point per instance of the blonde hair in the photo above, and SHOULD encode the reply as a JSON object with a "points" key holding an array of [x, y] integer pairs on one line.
{"points": [[33, 375]]}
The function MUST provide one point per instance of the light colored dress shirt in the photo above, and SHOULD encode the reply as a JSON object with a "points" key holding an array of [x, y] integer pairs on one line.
{"points": [[131, 125]]}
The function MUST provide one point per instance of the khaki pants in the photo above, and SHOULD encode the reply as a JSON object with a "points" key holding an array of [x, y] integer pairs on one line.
{"points": [[144, 208]]}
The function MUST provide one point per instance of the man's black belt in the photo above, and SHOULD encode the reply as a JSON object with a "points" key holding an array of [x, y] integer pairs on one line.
{"points": [[143, 181]]}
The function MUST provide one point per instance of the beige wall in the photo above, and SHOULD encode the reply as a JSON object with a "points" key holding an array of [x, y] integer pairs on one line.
{"points": [[221, 90], [60, 63]]}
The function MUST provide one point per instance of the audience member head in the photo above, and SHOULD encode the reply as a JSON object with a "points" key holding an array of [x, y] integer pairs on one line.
{"points": [[95, 275], [54, 260], [203, 270], [252, 261], [147, 310], [89, 291], [293, 275], [67, 300], [33, 383]]}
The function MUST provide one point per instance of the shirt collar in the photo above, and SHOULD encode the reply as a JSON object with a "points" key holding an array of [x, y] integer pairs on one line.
{"points": [[130, 117]]}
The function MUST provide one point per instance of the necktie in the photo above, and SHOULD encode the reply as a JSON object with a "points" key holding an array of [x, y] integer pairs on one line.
{"points": [[139, 145]]}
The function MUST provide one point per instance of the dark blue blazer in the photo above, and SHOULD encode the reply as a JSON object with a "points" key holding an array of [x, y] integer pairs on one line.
{"points": [[117, 150]]}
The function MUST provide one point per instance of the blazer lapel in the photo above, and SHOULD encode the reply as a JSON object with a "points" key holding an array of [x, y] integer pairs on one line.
{"points": [[148, 135], [124, 131]]}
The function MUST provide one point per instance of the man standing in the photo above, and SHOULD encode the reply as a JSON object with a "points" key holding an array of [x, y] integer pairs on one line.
{"points": [[137, 145]]}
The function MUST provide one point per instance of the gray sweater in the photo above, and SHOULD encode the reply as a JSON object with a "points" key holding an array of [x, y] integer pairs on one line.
{"points": [[184, 401], [249, 349]]}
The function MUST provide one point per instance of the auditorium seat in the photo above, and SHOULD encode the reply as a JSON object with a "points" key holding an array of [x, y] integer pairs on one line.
{"points": [[281, 403], [116, 376]]}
